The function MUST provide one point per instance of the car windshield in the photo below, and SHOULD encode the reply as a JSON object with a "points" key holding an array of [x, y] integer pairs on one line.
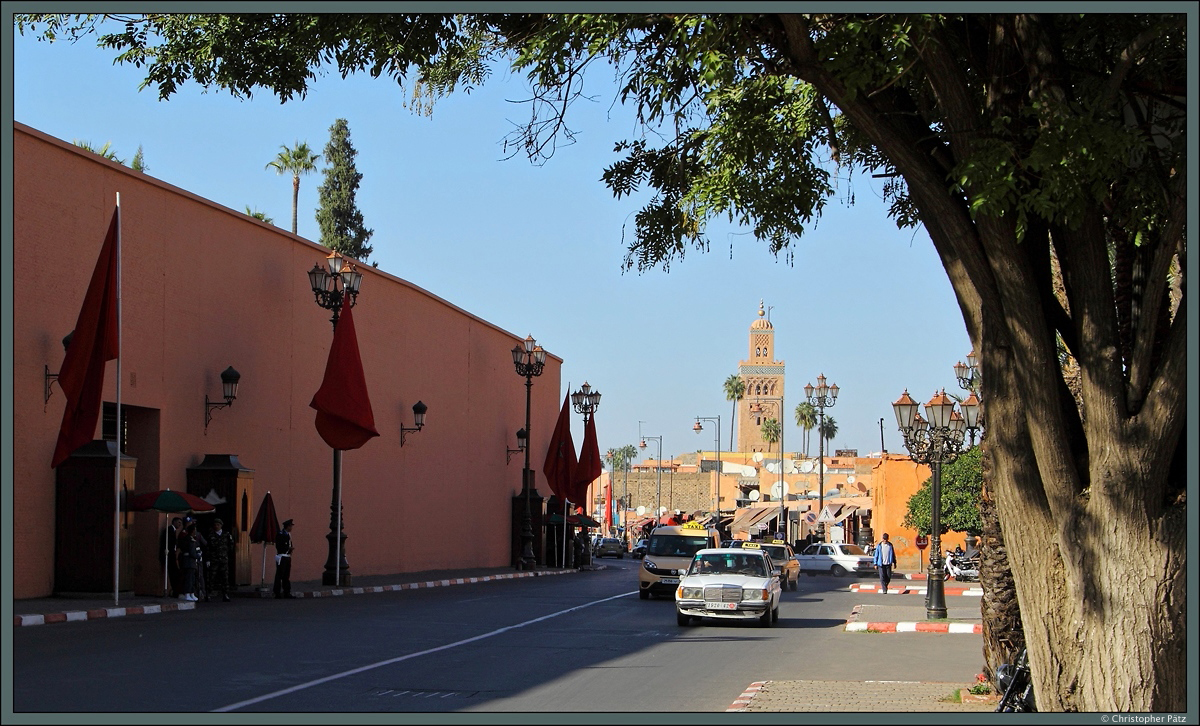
{"points": [[778, 552], [853, 550], [728, 564], [676, 545]]}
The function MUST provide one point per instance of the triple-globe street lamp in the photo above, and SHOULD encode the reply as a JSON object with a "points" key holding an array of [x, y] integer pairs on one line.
{"points": [[529, 358], [822, 397], [584, 401], [969, 379], [934, 440], [658, 491], [334, 290]]}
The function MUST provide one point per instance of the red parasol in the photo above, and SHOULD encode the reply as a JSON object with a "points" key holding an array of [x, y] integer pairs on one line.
{"points": [[168, 501]]}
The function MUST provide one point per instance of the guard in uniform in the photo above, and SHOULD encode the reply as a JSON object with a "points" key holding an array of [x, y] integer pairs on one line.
{"points": [[283, 561], [220, 552]]}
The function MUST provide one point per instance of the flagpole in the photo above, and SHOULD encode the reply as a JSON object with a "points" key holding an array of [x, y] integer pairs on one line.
{"points": [[563, 564], [337, 467], [117, 475]]}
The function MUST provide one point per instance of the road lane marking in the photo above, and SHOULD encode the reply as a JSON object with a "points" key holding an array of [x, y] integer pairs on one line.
{"points": [[390, 661]]}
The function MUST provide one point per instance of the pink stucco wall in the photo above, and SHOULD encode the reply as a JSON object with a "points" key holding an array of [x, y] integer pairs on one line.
{"points": [[205, 287]]}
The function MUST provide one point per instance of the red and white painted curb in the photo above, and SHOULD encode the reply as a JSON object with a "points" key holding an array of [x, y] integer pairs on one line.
{"points": [[906, 590], [922, 626], [99, 613], [743, 701]]}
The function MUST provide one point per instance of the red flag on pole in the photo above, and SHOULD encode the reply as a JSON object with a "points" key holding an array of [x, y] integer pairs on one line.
{"points": [[95, 342], [560, 457], [344, 418], [589, 466]]}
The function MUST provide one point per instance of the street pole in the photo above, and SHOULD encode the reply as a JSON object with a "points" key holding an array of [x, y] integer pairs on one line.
{"points": [[822, 396]]}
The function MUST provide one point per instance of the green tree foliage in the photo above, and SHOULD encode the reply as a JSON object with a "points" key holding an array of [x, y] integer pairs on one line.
{"points": [[806, 419], [771, 431], [105, 150], [260, 216], [962, 483], [139, 161], [340, 220], [1030, 147], [295, 160], [735, 389]]}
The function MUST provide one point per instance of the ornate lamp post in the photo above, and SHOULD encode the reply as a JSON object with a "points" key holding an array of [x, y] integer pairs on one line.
{"points": [[822, 397], [529, 359], [969, 379], [698, 428], [658, 493], [333, 290], [584, 401], [934, 440]]}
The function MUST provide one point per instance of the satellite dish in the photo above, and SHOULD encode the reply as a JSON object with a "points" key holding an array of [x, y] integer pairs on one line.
{"points": [[850, 479], [806, 466], [757, 456], [778, 492], [814, 494], [773, 468], [640, 511], [861, 487], [754, 495], [749, 471], [662, 511]]}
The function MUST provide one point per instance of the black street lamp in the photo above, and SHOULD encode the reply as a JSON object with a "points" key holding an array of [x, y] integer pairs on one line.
{"points": [[529, 359], [585, 401], [333, 290], [658, 492], [822, 397], [934, 440], [969, 379], [698, 428]]}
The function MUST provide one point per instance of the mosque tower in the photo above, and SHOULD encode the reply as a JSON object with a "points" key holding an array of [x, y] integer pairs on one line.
{"points": [[763, 378]]}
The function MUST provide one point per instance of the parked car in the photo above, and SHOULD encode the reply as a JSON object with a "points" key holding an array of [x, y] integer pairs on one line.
{"points": [[639, 549], [730, 583], [610, 547], [836, 559]]}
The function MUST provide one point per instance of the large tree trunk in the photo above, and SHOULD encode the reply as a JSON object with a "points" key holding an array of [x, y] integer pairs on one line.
{"points": [[1003, 633]]}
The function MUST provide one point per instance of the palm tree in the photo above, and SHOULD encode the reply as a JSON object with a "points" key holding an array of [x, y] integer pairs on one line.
{"points": [[806, 418], [827, 430], [735, 388], [105, 151], [260, 216], [770, 432], [295, 161]]}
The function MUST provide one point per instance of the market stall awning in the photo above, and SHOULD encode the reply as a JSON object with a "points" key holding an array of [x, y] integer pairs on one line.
{"points": [[746, 519], [575, 520]]}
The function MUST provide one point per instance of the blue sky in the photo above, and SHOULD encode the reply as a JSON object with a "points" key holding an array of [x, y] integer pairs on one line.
{"points": [[537, 250]]}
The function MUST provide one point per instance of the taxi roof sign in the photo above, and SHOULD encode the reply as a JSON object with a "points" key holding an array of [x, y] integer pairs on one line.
{"points": [[692, 525], [751, 546], [778, 541]]}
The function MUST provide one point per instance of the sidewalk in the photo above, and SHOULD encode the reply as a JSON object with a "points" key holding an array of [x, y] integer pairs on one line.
{"points": [[49, 610]]}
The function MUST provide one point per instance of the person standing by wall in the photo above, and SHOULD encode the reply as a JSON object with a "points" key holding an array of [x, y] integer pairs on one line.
{"points": [[170, 549], [220, 551], [283, 561], [189, 559], [885, 560]]}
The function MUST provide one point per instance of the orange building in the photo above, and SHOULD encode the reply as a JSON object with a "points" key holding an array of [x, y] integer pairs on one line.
{"points": [[895, 479], [204, 287]]}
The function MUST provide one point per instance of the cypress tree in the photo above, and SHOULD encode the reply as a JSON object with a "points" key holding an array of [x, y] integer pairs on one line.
{"points": [[339, 218]]}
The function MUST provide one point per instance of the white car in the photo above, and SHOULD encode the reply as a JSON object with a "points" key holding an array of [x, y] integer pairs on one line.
{"points": [[729, 584], [836, 559]]}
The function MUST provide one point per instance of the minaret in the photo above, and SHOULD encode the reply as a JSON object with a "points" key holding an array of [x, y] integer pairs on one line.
{"points": [[763, 378]]}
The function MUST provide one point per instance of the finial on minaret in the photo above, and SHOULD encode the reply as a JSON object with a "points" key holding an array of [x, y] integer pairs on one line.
{"points": [[761, 312]]}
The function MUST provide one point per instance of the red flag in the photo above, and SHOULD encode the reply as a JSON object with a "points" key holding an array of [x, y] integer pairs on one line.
{"points": [[344, 417], [95, 342], [589, 466], [560, 456]]}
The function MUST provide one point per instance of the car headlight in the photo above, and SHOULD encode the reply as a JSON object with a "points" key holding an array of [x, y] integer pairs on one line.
{"points": [[763, 594], [690, 593], [649, 564]]}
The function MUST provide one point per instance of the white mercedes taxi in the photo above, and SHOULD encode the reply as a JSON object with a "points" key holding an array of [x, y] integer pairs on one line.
{"points": [[728, 583]]}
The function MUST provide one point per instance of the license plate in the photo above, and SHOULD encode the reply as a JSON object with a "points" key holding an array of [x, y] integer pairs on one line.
{"points": [[721, 605], [670, 581]]}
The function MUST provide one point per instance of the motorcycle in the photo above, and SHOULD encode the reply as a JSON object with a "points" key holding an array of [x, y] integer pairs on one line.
{"points": [[962, 566], [1016, 681]]}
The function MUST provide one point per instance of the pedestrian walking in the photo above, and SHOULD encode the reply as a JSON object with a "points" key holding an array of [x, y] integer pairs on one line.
{"points": [[283, 561], [885, 560], [189, 554], [217, 558]]}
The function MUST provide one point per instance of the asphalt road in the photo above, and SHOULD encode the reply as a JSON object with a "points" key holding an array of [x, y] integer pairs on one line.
{"points": [[581, 642]]}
